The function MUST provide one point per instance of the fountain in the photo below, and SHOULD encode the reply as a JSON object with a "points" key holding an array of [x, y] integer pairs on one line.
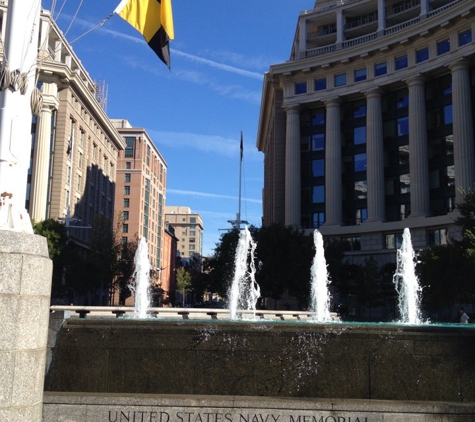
{"points": [[141, 286], [319, 295], [244, 291], [239, 371], [407, 283]]}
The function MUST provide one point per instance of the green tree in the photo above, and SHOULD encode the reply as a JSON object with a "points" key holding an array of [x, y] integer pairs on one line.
{"points": [[56, 237], [446, 271], [284, 254], [183, 282], [220, 266], [124, 269]]}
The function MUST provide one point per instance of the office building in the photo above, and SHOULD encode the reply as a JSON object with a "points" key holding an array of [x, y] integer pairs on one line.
{"points": [[189, 231], [74, 145], [369, 127], [141, 191]]}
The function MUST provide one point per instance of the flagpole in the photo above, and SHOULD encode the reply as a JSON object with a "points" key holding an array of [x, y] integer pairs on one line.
{"points": [[18, 72], [240, 182]]}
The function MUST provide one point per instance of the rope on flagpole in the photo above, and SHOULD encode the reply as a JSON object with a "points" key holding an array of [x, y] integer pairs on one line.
{"points": [[94, 27]]}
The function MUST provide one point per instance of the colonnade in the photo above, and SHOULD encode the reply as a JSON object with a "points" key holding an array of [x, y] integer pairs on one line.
{"points": [[464, 154]]}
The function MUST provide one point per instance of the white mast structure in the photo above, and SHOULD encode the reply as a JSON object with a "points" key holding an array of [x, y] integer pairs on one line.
{"points": [[17, 82]]}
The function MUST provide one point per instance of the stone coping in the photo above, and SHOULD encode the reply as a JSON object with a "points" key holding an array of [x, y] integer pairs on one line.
{"points": [[180, 408], [301, 403], [181, 313]]}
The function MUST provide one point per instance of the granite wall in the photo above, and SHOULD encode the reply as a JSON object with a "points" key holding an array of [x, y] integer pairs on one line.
{"points": [[273, 359]]}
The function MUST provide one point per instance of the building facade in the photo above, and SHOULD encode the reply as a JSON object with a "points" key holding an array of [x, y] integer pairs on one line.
{"points": [[141, 191], [368, 128], [188, 229], [74, 146], [168, 273]]}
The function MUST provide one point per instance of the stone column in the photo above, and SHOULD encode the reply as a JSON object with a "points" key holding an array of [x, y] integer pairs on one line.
{"points": [[375, 156], [58, 47], [302, 38], [340, 26], [25, 288], [41, 155], [418, 157], [44, 32], [381, 15], [292, 168], [464, 156], [333, 186], [424, 7]]}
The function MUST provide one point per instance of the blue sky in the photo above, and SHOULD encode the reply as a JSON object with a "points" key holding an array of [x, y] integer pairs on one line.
{"points": [[194, 112]]}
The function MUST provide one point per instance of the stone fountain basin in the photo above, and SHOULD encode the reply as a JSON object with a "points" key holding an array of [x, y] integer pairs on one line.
{"points": [[264, 358]]}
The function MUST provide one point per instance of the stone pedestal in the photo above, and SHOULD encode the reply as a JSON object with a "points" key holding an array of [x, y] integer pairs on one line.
{"points": [[25, 288]]}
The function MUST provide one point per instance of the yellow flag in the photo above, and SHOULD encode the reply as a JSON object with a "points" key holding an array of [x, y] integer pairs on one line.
{"points": [[154, 20]]}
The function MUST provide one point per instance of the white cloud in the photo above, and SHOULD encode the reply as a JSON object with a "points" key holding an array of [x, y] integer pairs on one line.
{"points": [[206, 143], [211, 195]]}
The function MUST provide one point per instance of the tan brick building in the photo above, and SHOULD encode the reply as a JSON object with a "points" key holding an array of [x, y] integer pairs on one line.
{"points": [[141, 192], [74, 144], [188, 229]]}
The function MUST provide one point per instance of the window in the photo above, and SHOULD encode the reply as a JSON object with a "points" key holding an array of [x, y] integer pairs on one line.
{"points": [[129, 146], [361, 215], [126, 190], [448, 119], [318, 194], [192, 220], [402, 100], [191, 247], [422, 55], [380, 69], [192, 232], [404, 183], [438, 236], [443, 47], [359, 135], [128, 165], [127, 178], [360, 75], [318, 119], [80, 160], [320, 84], [192, 240], [340, 79], [352, 243], [361, 189], [318, 219], [126, 203], [402, 126], [360, 162], [125, 215], [359, 110], [125, 228], [393, 241], [465, 37], [318, 168], [318, 141], [401, 62], [124, 241], [300, 88]]}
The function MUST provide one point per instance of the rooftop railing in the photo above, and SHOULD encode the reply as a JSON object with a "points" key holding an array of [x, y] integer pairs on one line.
{"points": [[369, 37]]}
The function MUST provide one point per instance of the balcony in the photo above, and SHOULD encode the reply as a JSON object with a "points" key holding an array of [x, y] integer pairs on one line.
{"points": [[361, 30]]}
